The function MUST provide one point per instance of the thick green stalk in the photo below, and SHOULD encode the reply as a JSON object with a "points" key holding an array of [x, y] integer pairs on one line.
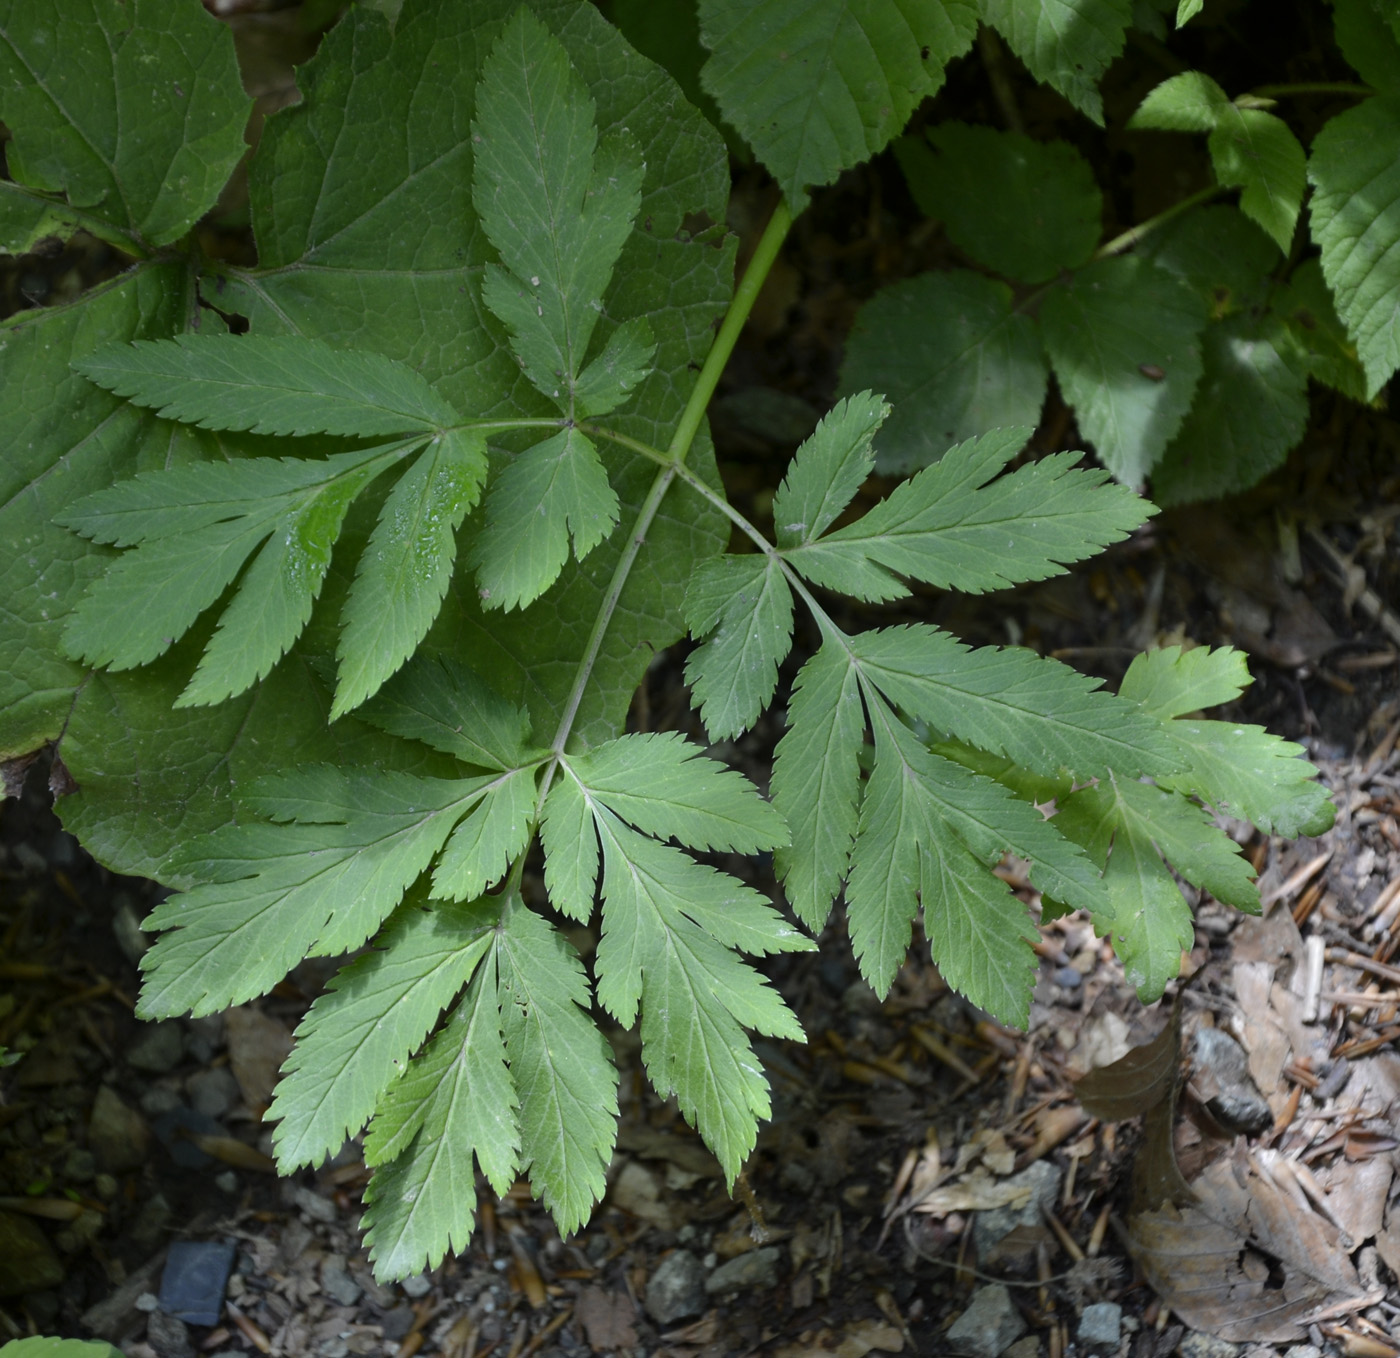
{"points": [[1129, 238]]}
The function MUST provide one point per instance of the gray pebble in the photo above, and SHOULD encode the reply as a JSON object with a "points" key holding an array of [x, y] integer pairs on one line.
{"points": [[1194, 1344], [1043, 1179], [418, 1286], [756, 1270], [312, 1203], [157, 1101], [212, 1092], [989, 1326], [336, 1281], [157, 1047], [117, 1135], [676, 1288], [1101, 1323], [168, 1336], [227, 1182]]}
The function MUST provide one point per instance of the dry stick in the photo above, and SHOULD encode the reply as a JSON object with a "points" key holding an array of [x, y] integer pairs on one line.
{"points": [[1371, 603]]}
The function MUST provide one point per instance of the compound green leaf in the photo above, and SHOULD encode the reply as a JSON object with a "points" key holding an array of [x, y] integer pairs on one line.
{"points": [[556, 205], [270, 385], [1307, 309], [696, 996], [1026, 209], [740, 609], [1034, 710], [607, 382], [954, 526], [272, 895], [1356, 223], [827, 470], [196, 527], [454, 1101], [405, 569], [906, 850], [1124, 337], [1066, 43], [1189, 102], [979, 368], [552, 492], [442, 703], [357, 1036], [816, 88], [1254, 151], [489, 839], [667, 787], [90, 120], [560, 1064], [1244, 771], [816, 781], [1170, 682], [1252, 408]]}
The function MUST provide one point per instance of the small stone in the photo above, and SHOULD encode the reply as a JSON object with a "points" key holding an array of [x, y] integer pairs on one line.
{"points": [[1101, 1323], [157, 1047], [227, 1182], [757, 1270], [1303, 1351], [989, 1326], [676, 1288], [151, 1222], [418, 1286], [79, 1166], [313, 1204], [336, 1281], [157, 1101], [27, 1260], [168, 1336], [106, 1187], [126, 927], [1043, 1179], [212, 1092], [1194, 1344], [397, 1323], [117, 1135], [1026, 1347], [147, 1302]]}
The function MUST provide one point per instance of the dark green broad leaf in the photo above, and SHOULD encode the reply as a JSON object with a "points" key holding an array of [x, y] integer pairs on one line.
{"points": [[817, 86], [1311, 316], [1222, 254], [1356, 223], [953, 357], [1025, 208], [1252, 408], [1124, 337], [1368, 42], [1068, 43], [132, 112]]}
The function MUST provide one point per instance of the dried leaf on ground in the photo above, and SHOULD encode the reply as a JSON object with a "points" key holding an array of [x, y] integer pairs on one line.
{"points": [[257, 1046]]}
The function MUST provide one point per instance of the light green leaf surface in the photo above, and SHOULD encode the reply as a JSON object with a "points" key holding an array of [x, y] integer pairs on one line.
{"points": [[88, 119], [1187, 10], [405, 569], [551, 493], [906, 850], [1124, 337], [1066, 43], [1171, 682], [556, 205], [560, 1064], [953, 359], [1251, 409], [442, 703], [954, 526], [816, 781], [270, 386], [357, 1036], [455, 1100], [1255, 151], [827, 470], [733, 673], [1307, 309], [1026, 209], [817, 86], [696, 996], [489, 839], [1034, 710], [667, 787], [570, 850], [274, 894], [1189, 102], [1356, 223]]}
